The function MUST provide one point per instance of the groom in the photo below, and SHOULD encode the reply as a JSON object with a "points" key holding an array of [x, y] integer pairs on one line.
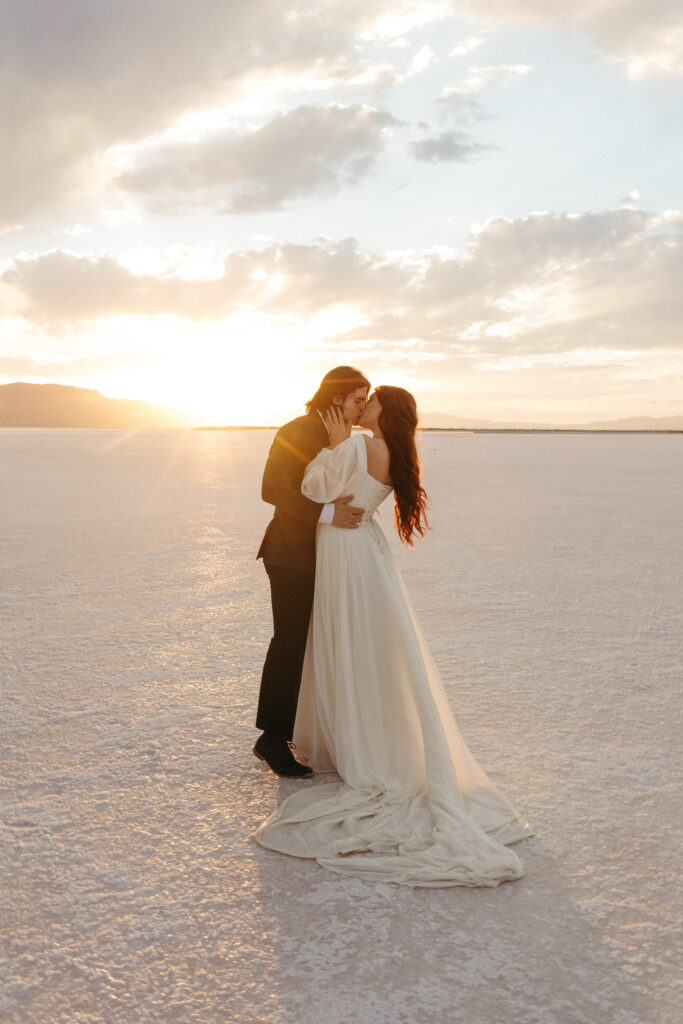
{"points": [[288, 552]]}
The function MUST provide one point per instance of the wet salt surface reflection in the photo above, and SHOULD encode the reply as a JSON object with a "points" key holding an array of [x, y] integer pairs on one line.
{"points": [[134, 623]]}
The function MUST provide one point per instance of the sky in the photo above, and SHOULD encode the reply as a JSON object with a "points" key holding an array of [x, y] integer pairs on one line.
{"points": [[210, 204]]}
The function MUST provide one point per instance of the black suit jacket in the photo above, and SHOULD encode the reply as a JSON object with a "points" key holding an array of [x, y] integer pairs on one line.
{"points": [[289, 539]]}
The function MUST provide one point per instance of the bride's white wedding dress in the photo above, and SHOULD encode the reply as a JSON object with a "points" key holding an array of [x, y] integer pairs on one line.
{"points": [[412, 806]]}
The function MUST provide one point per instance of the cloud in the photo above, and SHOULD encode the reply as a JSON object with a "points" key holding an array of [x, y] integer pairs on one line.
{"points": [[449, 146], [304, 152], [479, 78], [466, 46], [81, 79], [578, 310], [538, 286], [57, 289], [60, 288], [421, 61], [461, 103], [646, 38]]}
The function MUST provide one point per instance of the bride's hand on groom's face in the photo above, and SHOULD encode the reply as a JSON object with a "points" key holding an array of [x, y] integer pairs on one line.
{"points": [[336, 426]]}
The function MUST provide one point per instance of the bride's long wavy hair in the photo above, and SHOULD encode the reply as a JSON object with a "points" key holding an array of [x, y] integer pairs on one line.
{"points": [[398, 423]]}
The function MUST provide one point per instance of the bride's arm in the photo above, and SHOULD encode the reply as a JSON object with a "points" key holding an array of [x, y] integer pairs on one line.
{"points": [[328, 475]]}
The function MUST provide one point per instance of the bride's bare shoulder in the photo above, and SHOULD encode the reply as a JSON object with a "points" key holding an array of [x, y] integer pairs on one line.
{"points": [[378, 458]]}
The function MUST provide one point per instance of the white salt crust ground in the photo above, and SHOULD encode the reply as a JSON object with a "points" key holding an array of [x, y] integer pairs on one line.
{"points": [[134, 624]]}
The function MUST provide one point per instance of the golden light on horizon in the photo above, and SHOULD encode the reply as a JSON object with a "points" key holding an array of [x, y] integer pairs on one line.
{"points": [[252, 369]]}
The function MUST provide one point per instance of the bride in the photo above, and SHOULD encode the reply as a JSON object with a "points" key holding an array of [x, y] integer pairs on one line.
{"points": [[411, 805]]}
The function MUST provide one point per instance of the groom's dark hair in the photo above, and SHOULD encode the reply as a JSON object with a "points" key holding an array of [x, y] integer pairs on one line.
{"points": [[338, 382]]}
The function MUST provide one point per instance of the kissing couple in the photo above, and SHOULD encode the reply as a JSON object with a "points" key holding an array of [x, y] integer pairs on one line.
{"points": [[348, 676]]}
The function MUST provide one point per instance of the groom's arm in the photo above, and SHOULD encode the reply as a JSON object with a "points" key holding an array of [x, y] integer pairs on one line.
{"points": [[289, 455]]}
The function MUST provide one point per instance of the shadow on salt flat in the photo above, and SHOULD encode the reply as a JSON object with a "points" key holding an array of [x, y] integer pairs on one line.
{"points": [[348, 950]]}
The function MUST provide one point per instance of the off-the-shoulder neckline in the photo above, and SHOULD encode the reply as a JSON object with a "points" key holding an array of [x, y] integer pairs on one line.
{"points": [[365, 464]]}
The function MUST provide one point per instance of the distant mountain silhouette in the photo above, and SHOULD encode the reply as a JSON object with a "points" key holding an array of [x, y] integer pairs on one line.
{"points": [[639, 423], [57, 405], [436, 420]]}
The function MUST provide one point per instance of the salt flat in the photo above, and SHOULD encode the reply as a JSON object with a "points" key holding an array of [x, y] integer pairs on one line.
{"points": [[134, 624]]}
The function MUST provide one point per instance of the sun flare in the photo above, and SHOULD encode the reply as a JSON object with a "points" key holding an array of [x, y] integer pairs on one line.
{"points": [[249, 370]]}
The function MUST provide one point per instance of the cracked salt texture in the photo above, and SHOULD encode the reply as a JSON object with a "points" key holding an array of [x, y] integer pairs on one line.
{"points": [[134, 624]]}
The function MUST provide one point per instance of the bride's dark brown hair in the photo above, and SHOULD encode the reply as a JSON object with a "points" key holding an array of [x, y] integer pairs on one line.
{"points": [[398, 423]]}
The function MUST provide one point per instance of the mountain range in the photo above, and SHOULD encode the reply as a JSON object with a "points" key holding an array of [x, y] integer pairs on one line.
{"points": [[436, 420], [59, 405]]}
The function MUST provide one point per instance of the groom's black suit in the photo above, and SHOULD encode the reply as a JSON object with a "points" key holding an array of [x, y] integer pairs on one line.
{"points": [[288, 552]]}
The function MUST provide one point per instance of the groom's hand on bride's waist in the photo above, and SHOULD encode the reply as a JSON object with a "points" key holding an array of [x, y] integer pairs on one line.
{"points": [[345, 515]]}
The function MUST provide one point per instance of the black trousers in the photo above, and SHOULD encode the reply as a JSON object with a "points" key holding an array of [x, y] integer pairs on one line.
{"points": [[291, 593]]}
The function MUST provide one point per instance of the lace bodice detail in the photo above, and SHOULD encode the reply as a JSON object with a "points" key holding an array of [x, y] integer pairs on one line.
{"points": [[375, 496]]}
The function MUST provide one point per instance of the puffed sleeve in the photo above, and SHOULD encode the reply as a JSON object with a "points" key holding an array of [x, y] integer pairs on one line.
{"points": [[328, 475]]}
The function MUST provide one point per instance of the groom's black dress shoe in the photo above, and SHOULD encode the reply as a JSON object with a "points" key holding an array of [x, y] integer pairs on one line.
{"points": [[276, 752]]}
